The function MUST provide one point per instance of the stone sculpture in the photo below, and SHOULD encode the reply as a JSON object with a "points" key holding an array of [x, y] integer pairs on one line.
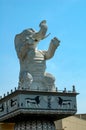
{"points": [[35, 105], [32, 61]]}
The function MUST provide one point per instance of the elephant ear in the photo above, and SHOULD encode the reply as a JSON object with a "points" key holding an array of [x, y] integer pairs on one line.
{"points": [[18, 43]]}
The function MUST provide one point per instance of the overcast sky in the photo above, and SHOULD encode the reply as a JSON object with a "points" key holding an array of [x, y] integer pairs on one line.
{"points": [[66, 19]]}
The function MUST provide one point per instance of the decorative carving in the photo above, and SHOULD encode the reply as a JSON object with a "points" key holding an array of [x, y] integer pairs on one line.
{"points": [[49, 101], [63, 101], [1, 108], [32, 61], [35, 125], [35, 100], [13, 102]]}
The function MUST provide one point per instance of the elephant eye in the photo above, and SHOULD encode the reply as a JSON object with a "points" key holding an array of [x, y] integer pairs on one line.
{"points": [[36, 40]]}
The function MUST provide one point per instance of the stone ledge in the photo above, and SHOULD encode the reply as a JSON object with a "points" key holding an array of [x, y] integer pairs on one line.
{"points": [[28, 103]]}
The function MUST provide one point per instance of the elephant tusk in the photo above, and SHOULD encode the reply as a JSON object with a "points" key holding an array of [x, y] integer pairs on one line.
{"points": [[46, 36]]}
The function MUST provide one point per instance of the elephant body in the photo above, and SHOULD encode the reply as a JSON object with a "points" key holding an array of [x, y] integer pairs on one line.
{"points": [[33, 62]]}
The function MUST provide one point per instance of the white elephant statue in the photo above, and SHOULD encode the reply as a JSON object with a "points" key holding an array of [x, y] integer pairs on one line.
{"points": [[32, 61]]}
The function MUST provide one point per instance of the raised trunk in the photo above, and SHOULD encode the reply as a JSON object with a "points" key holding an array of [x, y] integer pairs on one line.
{"points": [[42, 32]]}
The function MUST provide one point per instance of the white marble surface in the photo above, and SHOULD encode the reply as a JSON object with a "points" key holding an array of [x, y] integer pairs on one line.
{"points": [[32, 61]]}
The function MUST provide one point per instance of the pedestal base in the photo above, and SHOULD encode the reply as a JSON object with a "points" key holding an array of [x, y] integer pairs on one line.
{"points": [[35, 125]]}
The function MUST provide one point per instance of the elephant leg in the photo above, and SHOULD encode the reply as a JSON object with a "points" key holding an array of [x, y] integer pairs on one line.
{"points": [[25, 80], [49, 80]]}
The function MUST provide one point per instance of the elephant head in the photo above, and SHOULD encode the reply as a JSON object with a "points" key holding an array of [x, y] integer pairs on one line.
{"points": [[34, 36], [29, 38]]}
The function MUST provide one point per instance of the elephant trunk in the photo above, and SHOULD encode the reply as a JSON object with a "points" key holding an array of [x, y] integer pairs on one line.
{"points": [[42, 32]]}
